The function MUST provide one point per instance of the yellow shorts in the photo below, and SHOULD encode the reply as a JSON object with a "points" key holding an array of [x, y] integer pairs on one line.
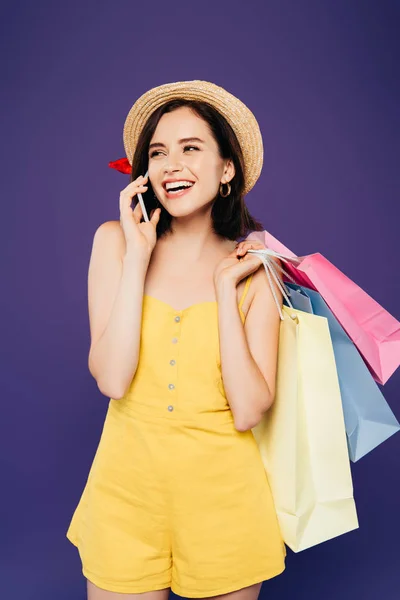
{"points": [[185, 505]]}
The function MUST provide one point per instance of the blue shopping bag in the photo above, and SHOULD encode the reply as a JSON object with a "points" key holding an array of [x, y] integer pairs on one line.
{"points": [[368, 418]]}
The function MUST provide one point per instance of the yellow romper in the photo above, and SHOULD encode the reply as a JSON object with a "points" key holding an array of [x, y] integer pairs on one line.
{"points": [[176, 496]]}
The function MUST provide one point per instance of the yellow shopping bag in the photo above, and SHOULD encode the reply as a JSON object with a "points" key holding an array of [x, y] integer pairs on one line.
{"points": [[302, 437]]}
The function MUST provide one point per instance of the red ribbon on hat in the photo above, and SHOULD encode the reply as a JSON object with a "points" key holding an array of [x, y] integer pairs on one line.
{"points": [[122, 165]]}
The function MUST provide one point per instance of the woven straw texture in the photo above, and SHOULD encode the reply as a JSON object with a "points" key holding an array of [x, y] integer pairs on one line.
{"points": [[241, 119]]}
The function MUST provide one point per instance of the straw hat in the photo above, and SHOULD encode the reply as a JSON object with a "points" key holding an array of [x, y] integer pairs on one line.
{"points": [[241, 119]]}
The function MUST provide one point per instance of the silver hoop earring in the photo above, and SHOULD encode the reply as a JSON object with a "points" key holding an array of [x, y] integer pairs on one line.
{"points": [[221, 190]]}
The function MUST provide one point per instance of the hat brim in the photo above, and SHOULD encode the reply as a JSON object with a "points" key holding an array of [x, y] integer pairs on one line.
{"points": [[238, 115]]}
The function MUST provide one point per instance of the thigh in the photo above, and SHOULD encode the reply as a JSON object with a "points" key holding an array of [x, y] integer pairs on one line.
{"points": [[96, 593], [248, 593]]}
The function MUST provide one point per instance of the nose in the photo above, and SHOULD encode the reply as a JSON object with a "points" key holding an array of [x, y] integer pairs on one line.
{"points": [[172, 162], [172, 167]]}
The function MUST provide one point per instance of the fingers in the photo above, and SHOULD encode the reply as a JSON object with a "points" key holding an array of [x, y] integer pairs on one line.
{"points": [[155, 215], [137, 213], [128, 193], [244, 246], [141, 180], [136, 186]]}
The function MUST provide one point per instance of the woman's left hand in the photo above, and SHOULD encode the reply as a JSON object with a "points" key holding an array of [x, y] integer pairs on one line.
{"points": [[238, 264]]}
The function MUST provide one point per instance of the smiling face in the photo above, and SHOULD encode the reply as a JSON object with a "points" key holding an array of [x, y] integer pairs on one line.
{"points": [[183, 151]]}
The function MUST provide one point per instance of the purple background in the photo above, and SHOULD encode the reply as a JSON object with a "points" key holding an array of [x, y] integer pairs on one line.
{"points": [[322, 80]]}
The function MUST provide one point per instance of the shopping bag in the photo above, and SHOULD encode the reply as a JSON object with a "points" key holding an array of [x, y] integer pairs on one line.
{"points": [[374, 331], [368, 418], [302, 437]]}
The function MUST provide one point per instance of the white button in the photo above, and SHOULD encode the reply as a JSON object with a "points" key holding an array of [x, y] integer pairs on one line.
{"points": [[170, 408], [174, 340], [177, 319], [171, 386], [172, 362]]}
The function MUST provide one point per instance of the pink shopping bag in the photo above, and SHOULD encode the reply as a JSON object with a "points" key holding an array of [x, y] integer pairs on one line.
{"points": [[374, 331]]}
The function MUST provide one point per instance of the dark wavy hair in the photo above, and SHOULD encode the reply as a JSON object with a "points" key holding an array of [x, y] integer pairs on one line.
{"points": [[230, 216]]}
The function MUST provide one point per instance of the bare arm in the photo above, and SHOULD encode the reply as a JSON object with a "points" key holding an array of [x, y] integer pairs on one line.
{"points": [[249, 354], [115, 296], [118, 265]]}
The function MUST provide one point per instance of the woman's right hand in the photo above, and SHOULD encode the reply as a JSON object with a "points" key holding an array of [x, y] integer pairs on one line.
{"points": [[140, 238]]}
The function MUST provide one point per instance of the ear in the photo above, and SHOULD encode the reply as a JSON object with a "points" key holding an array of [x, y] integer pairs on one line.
{"points": [[229, 171]]}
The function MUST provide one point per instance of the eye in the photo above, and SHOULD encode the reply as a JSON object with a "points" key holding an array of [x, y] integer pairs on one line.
{"points": [[157, 152]]}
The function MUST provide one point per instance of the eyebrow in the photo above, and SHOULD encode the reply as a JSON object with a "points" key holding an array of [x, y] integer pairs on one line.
{"points": [[181, 141]]}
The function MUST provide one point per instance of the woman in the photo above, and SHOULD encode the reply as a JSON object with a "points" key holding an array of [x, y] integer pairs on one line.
{"points": [[184, 340]]}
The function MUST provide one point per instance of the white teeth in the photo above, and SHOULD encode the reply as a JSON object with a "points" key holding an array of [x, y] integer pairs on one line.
{"points": [[174, 184]]}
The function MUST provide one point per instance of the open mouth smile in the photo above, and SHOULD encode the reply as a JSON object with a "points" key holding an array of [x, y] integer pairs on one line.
{"points": [[177, 188]]}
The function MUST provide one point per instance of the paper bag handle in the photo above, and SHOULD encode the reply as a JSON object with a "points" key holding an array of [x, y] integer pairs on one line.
{"points": [[271, 267]]}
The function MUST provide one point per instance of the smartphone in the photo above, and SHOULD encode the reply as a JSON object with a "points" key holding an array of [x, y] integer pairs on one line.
{"points": [[144, 211]]}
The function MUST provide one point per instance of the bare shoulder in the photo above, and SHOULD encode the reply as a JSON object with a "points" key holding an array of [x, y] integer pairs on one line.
{"points": [[110, 237], [105, 268], [260, 287]]}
